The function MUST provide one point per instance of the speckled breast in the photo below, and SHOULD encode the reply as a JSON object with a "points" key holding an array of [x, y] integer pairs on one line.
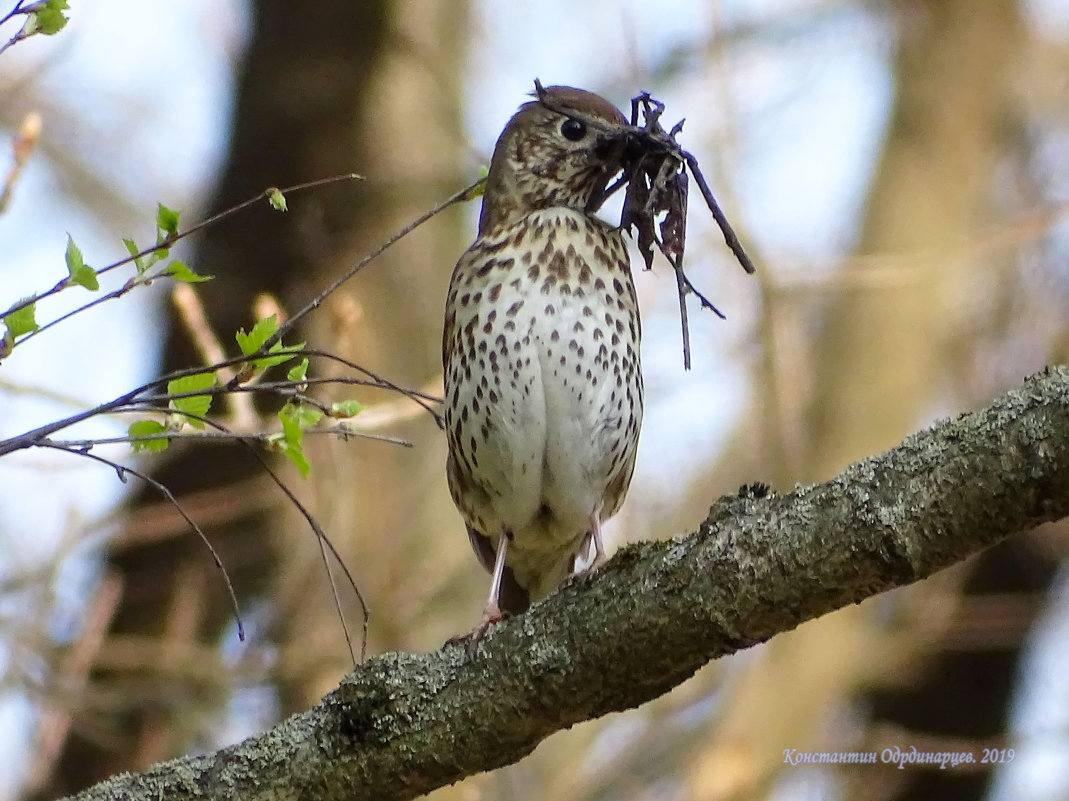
{"points": [[542, 378]]}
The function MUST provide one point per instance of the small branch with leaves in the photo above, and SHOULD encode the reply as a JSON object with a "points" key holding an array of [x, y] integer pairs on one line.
{"points": [[179, 406], [44, 17], [20, 319]]}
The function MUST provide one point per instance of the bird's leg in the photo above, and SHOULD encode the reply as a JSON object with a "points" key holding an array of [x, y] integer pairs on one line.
{"points": [[599, 546], [492, 613]]}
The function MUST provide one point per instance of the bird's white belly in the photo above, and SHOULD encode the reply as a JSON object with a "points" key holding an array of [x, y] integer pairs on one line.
{"points": [[549, 435], [544, 399]]}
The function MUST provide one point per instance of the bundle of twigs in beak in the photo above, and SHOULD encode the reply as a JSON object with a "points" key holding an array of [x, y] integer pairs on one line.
{"points": [[654, 171]]}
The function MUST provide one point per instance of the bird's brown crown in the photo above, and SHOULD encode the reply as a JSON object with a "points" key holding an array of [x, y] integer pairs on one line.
{"points": [[556, 151]]}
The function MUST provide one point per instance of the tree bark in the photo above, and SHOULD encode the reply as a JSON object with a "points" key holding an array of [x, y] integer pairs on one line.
{"points": [[402, 724]]}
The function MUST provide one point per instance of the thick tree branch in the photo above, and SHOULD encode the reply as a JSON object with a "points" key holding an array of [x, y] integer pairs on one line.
{"points": [[403, 724]]}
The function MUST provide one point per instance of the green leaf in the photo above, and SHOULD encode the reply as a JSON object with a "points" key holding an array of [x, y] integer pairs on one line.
{"points": [[296, 455], [166, 221], [22, 321], [276, 199], [346, 408], [194, 404], [308, 416], [179, 272], [143, 428], [133, 250], [292, 437], [86, 276], [283, 354], [80, 272], [260, 333], [299, 372], [74, 256], [254, 340], [49, 19], [291, 429]]}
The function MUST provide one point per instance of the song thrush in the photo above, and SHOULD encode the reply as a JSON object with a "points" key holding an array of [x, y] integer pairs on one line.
{"points": [[543, 387]]}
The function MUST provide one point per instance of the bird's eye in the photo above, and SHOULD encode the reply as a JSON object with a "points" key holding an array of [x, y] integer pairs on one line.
{"points": [[573, 129]]}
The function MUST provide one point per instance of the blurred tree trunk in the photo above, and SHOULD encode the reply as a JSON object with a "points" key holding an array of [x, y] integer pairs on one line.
{"points": [[882, 356], [331, 87], [387, 508]]}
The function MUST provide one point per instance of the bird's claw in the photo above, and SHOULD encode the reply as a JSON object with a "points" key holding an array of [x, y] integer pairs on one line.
{"points": [[491, 614]]}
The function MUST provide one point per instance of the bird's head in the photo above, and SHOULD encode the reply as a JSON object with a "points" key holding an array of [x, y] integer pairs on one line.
{"points": [[559, 150]]}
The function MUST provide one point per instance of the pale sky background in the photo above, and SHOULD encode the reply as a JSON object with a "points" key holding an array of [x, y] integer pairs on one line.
{"points": [[147, 98]]}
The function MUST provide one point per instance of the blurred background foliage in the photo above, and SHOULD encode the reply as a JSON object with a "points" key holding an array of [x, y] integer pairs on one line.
{"points": [[899, 170]]}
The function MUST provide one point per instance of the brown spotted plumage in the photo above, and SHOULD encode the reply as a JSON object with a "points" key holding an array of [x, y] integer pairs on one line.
{"points": [[543, 387]]}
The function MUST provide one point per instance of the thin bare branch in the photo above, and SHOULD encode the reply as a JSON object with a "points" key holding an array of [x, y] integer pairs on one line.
{"points": [[730, 237], [135, 399], [463, 195], [10, 14], [166, 244], [185, 435], [21, 33], [324, 545], [121, 471]]}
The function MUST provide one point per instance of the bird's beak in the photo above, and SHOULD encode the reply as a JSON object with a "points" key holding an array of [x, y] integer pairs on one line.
{"points": [[612, 147]]}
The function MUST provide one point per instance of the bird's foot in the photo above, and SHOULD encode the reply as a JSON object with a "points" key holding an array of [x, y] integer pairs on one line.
{"points": [[599, 561], [491, 614]]}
